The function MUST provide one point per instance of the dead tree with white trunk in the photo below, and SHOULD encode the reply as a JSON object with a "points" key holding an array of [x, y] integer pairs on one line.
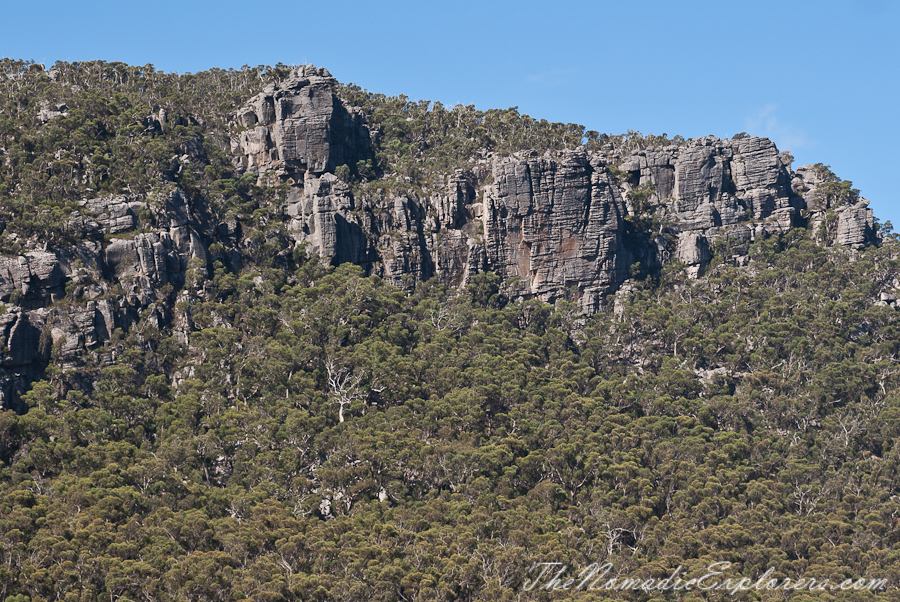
{"points": [[344, 385]]}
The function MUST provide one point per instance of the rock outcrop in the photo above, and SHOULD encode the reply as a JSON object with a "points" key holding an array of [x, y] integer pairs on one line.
{"points": [[68, 301], [561, 225], [836, 214], [47, 112], [21, 353], [32, 279], [298, 126], [555, 225], [115, 215]]}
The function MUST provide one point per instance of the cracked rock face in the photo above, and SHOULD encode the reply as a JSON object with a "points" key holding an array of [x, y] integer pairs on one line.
{"points": [[298, 126], [561, 225], [116, 214], [554, 225], [564, 226], [570, 225], [21, 353], [840, 222], [70, 300], [856, 225], [35, 278]]}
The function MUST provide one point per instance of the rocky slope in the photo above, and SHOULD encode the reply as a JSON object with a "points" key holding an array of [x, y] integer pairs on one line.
{"points": [[570, 224]]}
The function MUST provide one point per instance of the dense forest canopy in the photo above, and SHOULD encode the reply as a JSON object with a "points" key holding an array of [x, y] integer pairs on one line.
{"points": [[276, 429]]}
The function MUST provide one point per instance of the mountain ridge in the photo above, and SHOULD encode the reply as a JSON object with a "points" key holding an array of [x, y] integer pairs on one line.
{"points": [[565, 223], [213, 390], [701, 189]]}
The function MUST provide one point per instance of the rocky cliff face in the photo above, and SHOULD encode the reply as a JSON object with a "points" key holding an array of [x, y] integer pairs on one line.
{"points": [[68, 301], [556, 225], [299, 125], [572, 224]]}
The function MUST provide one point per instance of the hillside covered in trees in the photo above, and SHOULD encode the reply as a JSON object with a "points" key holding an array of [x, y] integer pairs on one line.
{"points": [[267, 336]]}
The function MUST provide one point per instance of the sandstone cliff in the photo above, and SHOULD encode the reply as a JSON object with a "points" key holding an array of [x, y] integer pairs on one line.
{"points": [[561, 224], [574, 224], [299, 125]]}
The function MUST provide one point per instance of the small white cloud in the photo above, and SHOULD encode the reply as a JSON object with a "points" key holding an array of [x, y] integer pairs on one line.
{"points": [[784, 135]]}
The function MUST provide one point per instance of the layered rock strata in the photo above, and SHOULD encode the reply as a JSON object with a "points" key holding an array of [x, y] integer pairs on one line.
{"points": [[574, 224], [299, 125], [67, 301]]}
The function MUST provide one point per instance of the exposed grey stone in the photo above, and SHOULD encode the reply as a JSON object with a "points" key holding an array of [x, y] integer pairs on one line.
{"points": [[322, 216], [693, 250], [702, 176], [36, 275], [48, 111], [22, 340], [299, 125], [855, 225], [761, 178], [555, 224], [452, 209], [116, 214], [147, 258]]}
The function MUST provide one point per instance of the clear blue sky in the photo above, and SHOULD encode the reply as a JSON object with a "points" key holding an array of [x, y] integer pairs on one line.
{"points": [[820, 78]]}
